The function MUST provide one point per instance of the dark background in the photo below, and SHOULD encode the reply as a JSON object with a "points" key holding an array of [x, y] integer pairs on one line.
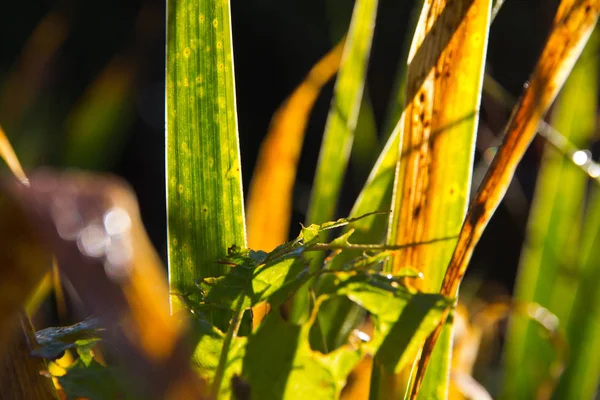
{"points": [[116, 49]]}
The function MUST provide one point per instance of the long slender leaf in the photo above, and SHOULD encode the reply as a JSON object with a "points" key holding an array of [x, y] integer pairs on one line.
{"points": [[338, 317], [343, 114], [582, 375], [445, 73], [204, 189], [572, 26], [339, 130], [270, 194], [549, 270], [269, 203]]}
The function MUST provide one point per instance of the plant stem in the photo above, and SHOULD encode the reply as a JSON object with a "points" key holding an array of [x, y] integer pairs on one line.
{"points": [[234, 327], [374, 389], [375, 247]]}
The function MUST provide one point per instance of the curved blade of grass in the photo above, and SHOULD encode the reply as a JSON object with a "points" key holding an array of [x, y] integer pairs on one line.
{"points": [[573, 25], [343, 114], [270, 194], [204, 187], [552, 135], [549, 270], [444, 79]]}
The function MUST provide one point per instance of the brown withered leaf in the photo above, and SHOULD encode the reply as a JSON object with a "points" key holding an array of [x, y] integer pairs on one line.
{"points": [[92, 224], [20, 376], [573, 24], [443, 89], [270, 193], [23, 263]]}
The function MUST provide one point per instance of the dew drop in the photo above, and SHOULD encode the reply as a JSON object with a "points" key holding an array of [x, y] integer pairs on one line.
{"points": [[580, 157], [93, 240], [117, 221], [594, 170], [362, 336]]}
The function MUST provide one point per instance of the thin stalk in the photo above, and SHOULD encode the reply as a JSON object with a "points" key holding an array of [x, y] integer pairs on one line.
{"points": [[232, 332], [373, 247]]}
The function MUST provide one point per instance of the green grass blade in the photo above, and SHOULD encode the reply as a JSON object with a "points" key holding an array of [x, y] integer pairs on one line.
{"points": [[397, 101], [338, 317], [550, 271], [97, 126], [582, 376], [339, 130], [204, 187], [343, 115]]}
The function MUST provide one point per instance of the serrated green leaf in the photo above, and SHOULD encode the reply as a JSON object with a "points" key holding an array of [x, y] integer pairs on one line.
{"points": [[251, 282], [402, 319], [208, 351], [93, 382], [287, 367], [204, 187]]}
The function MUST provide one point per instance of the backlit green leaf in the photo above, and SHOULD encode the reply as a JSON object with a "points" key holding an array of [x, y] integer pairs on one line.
{"points": [[204, 190], [93, 381], [343, 114]]}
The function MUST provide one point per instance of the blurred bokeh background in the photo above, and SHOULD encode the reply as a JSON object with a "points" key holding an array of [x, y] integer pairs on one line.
{"points": [[82, 85]]}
